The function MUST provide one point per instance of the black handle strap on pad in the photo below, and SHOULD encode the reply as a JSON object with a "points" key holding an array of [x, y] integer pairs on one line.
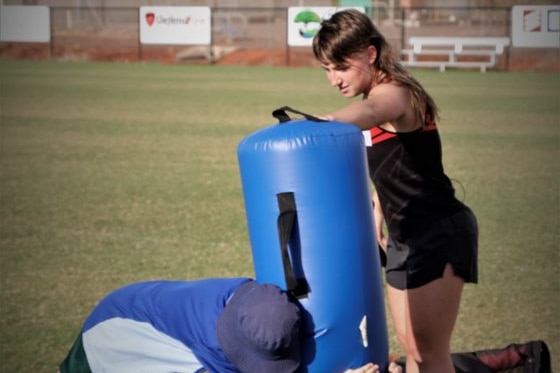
{"points": [[287, 219], [283, 117]]}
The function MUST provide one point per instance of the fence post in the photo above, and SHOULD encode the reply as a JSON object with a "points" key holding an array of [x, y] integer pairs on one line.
{"points": [[51, 28], [139, 43], [508, 13], [286, 39], [403, 19]]}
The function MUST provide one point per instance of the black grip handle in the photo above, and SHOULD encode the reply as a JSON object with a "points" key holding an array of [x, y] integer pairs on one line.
{"points": [[282, 115], [287, 220]]}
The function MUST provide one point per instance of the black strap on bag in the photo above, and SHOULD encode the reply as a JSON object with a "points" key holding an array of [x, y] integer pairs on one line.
{"points": [[283, 117], [287, 220]]}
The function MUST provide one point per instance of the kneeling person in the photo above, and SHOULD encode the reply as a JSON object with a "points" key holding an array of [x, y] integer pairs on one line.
{"points": [[226, 325]]}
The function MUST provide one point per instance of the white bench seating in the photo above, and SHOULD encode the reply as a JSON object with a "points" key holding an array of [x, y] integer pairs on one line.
{"points": [[480, 52]]}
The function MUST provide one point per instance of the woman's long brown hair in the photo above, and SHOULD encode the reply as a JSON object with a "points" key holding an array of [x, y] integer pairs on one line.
{"points": [[348, 33]]}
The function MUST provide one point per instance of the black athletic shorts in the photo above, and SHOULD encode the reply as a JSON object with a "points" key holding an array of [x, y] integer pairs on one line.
{"points": [[422, 258]]}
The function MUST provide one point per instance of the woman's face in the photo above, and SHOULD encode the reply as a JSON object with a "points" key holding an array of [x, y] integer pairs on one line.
{"points": [[357, 77]]}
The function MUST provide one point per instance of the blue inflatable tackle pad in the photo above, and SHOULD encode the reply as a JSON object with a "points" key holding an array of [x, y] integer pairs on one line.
{"points": [[310, 220]]}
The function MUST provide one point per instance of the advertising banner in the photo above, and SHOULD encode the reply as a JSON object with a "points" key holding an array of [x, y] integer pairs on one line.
{"points": [[25, 23], [304, 22], [175, 25], [536, 26]]}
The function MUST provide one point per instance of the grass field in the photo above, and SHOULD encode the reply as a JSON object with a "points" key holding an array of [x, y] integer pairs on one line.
{"points": [[113, 173]]}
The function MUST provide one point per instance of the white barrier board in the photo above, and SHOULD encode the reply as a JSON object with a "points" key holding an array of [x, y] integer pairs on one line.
{"points": [[535, 26], [304, 22], [25, 23], [175, 25]]}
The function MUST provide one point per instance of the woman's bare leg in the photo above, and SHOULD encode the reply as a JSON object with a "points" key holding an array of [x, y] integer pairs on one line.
{"points": [[424, 319]]}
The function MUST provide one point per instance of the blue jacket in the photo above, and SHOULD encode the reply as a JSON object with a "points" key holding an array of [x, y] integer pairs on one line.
{"points": [[159, 326]]}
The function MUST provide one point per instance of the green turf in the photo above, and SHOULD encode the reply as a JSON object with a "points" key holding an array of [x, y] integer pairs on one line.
{"points": [[113, 173]]}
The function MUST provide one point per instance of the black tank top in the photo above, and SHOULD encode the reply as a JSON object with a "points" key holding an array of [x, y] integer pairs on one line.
{"points": [[407, 172]]}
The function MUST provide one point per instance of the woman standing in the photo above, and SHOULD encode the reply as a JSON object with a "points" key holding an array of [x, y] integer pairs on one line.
{"points": [[432, 237]]}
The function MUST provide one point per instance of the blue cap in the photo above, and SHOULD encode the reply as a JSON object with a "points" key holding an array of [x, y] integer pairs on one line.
{"points": [[259, 330]]}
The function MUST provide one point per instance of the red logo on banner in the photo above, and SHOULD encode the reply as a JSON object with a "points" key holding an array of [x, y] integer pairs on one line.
{"points": [[532, 21], [150, 18]]}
